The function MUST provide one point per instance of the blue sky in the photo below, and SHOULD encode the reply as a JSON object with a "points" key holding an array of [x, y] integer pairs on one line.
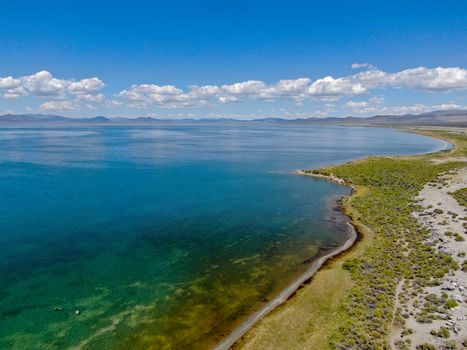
{"points": [[232, 58]]}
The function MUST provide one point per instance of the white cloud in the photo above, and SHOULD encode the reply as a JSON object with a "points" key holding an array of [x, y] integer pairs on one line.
{"points": [[68, 94], [364, 107], [292, 85], [421, 78], [44, 85], [329, 86], [254, 89], [141, 96], [112, 103], [375, 106], [59, 106], [363, 65], [418, 108], [85, 86], [9, 83], [299, 90], [168, 96], [374, 101], [437, 79], [98, 98], [250, 87]]}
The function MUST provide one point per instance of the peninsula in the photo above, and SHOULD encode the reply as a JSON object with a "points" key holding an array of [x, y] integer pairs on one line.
{"points": [[402, 285]]}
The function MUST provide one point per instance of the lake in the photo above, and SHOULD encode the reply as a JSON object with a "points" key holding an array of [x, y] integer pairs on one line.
{"points": [[163, 236]]}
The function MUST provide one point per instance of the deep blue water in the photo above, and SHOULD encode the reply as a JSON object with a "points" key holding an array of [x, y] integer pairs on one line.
{"points": [[162, 236]]}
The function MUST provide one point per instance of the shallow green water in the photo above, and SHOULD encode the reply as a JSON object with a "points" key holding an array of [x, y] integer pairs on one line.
{"points": [[162, 237]]}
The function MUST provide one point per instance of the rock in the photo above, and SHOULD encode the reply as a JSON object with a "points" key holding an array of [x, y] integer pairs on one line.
{"points": [[447, 287]]}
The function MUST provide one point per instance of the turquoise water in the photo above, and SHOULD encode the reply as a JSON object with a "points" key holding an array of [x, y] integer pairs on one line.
{"points": [[163, 236]]}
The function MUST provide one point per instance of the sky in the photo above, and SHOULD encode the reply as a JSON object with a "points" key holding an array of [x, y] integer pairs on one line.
{"points": [[232, 59]]}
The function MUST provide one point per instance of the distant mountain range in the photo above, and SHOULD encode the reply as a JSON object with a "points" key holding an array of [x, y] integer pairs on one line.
{"points": [[435, 118]]}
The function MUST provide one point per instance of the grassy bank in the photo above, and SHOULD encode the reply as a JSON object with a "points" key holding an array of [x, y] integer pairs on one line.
{"points": [[461, 196], [350, 303]]}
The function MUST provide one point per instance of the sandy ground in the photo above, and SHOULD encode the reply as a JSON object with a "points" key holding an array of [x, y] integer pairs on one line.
{"points": [[449, 159], [441, 214]]}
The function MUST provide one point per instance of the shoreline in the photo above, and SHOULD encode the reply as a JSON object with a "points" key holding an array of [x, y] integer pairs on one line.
{"points": [[288, 292], [294, 286], [238, 333]]}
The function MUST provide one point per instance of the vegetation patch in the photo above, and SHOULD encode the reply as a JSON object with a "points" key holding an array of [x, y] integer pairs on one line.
{"points": [[461, 196], [392, 262], [397, 254]]}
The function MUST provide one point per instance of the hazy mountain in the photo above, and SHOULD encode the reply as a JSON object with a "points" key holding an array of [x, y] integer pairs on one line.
{"points": [[435, 118], [450, 118], [99, 119], [24, 118]]}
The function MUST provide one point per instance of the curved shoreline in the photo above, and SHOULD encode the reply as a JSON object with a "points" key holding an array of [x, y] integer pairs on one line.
{"points": [[292, 288]]}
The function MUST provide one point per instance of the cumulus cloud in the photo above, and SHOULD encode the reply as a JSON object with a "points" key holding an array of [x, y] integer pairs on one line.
{"points": [[141, 96], [420, 78], [437, 79], [85, 86], [43, 84], [64, 94], [330, 87], [326, 89], [254, 89], [250, 87], [168, 96], [9, 83], [68, 94]]}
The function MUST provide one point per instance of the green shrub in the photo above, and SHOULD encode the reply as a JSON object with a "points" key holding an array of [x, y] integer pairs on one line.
{"points": [[450, 304], [461, 196], [397, 251]]}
